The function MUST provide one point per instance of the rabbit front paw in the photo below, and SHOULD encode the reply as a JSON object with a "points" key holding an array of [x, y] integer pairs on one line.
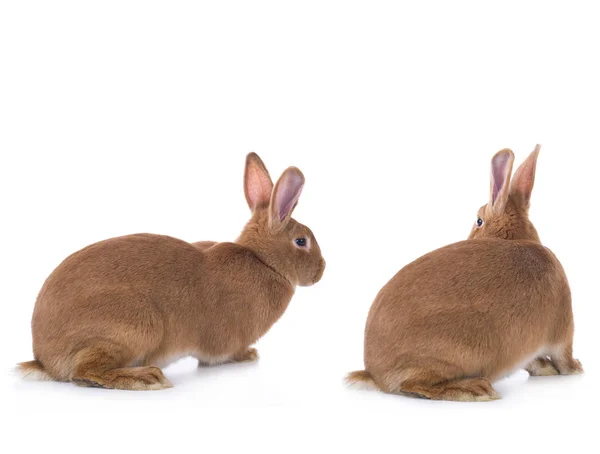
{"points": [[247, 356]]}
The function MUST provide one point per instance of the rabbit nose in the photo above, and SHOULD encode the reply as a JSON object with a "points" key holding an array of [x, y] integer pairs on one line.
{"points": [[320, 271]]}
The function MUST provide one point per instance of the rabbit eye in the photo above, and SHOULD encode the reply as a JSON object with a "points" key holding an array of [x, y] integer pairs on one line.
{"points": [[479, 222], [301, 242]]}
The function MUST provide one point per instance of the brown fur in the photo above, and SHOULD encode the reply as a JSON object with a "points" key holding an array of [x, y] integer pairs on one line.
{"points": [[360, 379], [453, 321], [33, 370], [112, 312]]}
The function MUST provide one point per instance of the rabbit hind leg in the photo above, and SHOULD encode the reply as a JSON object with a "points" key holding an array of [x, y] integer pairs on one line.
{"points": [[431, 383], [105, 367]]}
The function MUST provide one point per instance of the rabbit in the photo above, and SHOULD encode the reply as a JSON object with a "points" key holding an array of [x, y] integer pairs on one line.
{"points": [[455, 320], [112, 314]]}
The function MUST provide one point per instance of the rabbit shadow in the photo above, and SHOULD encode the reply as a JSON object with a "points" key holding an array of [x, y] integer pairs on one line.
{"points": [[188, 370]]}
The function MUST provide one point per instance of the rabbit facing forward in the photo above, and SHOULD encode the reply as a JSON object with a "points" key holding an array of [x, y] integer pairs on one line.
{"points": [[113, 313], [455, 320]]}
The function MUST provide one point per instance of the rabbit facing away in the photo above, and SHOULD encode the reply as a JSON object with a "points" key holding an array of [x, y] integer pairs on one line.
{"points": [[113, 313], [455, 320]]}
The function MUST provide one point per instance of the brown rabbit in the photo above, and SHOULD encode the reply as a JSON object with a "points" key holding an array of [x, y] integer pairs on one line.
{"points": [[453, 321], [114, 312]]}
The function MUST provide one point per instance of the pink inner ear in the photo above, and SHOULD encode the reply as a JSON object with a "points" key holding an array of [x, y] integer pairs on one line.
{"points": [[259, 187], [288, 193], [499, 174]]}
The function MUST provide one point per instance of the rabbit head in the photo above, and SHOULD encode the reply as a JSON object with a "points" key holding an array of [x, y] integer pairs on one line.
{"points": [[281, 242], [506, 215]]}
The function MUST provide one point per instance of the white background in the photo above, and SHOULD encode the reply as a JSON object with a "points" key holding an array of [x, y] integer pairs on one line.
{"points": [[120, 117]]}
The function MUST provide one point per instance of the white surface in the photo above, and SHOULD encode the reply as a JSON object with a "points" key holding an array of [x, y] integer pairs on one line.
{"points": [[129, 117]]}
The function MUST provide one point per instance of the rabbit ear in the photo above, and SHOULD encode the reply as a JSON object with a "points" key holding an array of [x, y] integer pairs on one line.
{"points": [[522, 182], [502, 163], [257, 182], [285, 197]]}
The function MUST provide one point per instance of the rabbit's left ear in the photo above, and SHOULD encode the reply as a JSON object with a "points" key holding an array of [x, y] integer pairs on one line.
{"points": [[257, 183], [502, 163], [285, 197], [523, 179]]}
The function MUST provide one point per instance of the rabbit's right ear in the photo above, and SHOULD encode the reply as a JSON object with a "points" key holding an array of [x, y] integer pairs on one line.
{"points": [[522, 182], [502, 164], [258, 185], [285, 197]]}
